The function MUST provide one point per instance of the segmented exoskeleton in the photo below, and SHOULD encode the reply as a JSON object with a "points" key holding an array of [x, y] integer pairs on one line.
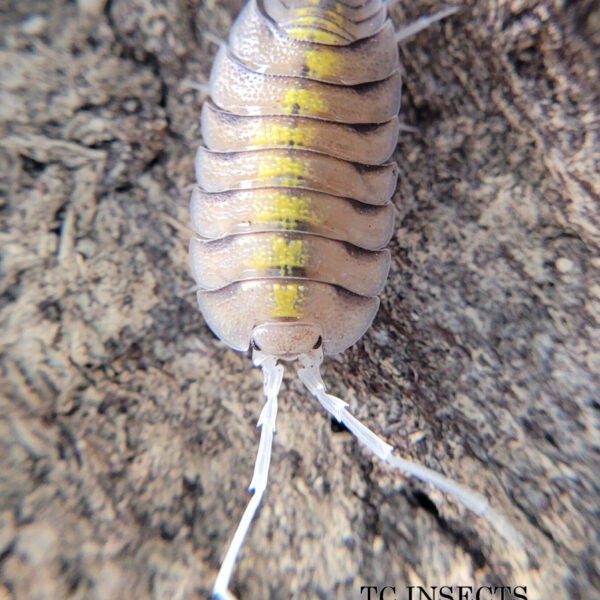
{"points": [[293, 204]]}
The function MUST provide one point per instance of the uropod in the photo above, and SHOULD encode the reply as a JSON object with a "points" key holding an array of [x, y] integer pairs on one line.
{"points": [[293, 204]]}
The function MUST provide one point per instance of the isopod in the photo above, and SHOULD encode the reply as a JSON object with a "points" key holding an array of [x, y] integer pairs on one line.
{"points": [[293, 204]]}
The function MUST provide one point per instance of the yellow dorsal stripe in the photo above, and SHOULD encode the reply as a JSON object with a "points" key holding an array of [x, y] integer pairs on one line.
{"points": [[279, 253], [323, 63], [289, 210], [300, 101], [312, 34], [286, 169], [271, 134], [287, 299]]}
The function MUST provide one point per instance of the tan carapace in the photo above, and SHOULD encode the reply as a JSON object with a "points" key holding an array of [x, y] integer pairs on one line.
{"points": [[293, 205]]}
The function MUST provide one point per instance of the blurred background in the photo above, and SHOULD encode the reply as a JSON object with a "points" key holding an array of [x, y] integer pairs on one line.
{"points": [[127, 431]]}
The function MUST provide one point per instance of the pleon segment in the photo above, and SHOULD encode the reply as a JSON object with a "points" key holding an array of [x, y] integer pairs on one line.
{"points": [[234, 311], [367, 144], [221, 171], [216, 264], [238, 90], [285, 209]]}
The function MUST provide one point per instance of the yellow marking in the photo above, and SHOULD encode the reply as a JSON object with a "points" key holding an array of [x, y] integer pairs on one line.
{"points": [[307, 17], [310, 34], [289, 210], [336, 16], [321, 24], [288, 170], [277, 252], [273, 135], [323, 63], [286, 300], [303, 102]]}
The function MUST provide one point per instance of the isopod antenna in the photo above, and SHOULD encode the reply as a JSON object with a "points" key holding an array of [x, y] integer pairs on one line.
{"points": [[310, 375], [273, 374], [422, 22]]}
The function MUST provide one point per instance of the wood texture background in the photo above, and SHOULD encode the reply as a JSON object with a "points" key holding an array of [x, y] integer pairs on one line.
{"points": [[127, 433]]}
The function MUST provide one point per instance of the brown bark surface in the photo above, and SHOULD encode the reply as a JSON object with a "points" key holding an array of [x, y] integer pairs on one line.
{"points": [[127, 431]]}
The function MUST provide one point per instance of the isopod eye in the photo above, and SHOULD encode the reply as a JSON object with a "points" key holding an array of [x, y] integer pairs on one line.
{"points": [[318, 344], [255, 346]]}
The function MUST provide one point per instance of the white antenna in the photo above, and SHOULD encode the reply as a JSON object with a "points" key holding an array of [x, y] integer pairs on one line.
{"points": [[423, 23], [311, 377], [273, 374]]}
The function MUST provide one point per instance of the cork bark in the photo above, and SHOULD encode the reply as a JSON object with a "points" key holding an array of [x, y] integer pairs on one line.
{"points": [[127, 431]]}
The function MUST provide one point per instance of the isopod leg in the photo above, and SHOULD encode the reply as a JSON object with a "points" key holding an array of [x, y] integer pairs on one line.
{"points": [[213, 38], [310, 376], [199, 86], [408, 128], [273, 375], [423, 23]]}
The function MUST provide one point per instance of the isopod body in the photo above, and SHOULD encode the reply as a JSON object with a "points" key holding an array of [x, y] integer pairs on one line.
{"points": [[293, 204]]}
